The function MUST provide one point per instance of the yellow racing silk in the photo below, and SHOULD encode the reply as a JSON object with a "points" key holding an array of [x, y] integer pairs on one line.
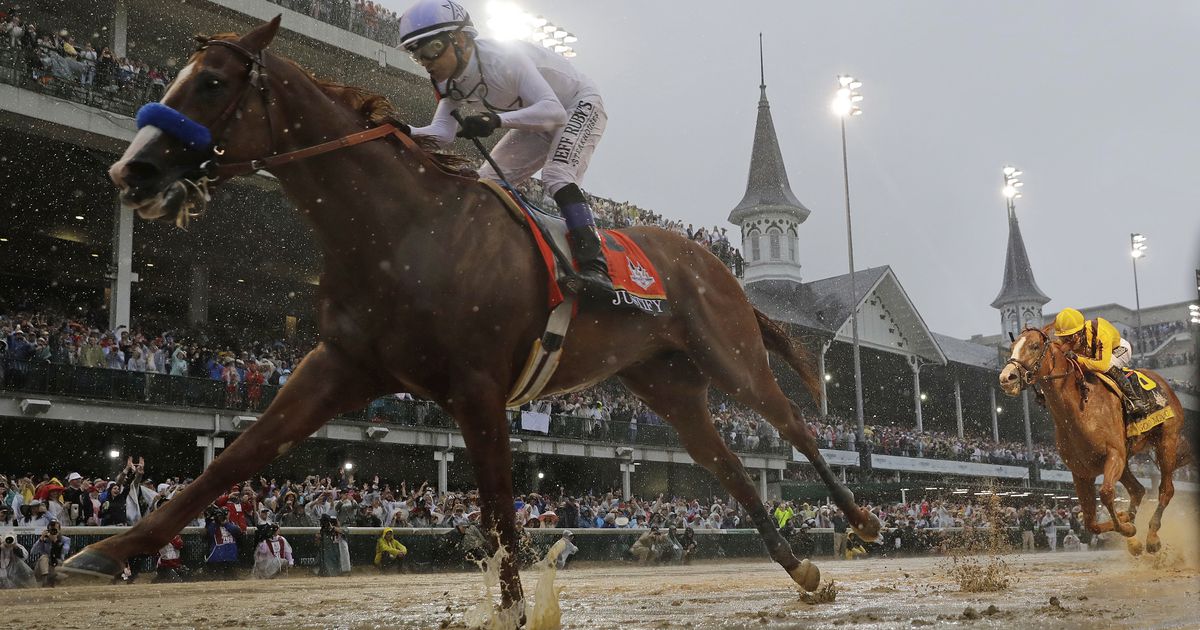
{"points": [[1100, 339]]}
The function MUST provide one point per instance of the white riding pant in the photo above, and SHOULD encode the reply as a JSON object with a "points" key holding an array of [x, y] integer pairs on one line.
{"points": [[1122, 354], [562, 155]]}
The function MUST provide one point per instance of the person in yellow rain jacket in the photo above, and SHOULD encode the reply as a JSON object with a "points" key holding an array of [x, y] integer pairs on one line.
{"points": [[1098, 347], [389, 553]]}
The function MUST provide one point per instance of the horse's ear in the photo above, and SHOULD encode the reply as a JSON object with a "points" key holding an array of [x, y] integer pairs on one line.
{"points": [[258, 39], [1011, 337]]}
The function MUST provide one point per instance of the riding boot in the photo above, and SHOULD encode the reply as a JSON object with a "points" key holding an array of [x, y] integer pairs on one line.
{"points": [[585, 241], [1136, 403]]}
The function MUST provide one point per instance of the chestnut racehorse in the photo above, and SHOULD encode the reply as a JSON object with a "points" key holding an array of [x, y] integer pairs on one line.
{"points": [[1090, 434], [431, 287]]}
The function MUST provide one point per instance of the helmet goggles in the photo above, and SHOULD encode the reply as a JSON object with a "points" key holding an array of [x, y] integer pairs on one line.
{"points": [[429, 49]]}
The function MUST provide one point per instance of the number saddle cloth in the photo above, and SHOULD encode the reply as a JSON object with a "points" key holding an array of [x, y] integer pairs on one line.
{"points": [[636, 283], [1161, 412]]}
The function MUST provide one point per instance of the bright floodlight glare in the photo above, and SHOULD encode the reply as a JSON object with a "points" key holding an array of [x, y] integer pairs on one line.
{"points": [[541, 475], [999, 409], [570, 39], [846, 98], [114, 453], [923, 396], [348, 466], [1194, 312], [507, 22], [1010, 191], [828, 377], [1009, 171]]}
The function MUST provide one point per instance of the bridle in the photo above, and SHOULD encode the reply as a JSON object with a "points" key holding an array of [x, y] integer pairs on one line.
{"points": [[212, 170], [1028, 376]]}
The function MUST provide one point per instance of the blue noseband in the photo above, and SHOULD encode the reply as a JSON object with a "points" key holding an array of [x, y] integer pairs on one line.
{"points": [[176, 125]]}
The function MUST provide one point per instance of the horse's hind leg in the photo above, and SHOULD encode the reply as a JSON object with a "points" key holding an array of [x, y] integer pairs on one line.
{"points": [[1136, 493], [741, 370], [677, 391], [1165, 452]]}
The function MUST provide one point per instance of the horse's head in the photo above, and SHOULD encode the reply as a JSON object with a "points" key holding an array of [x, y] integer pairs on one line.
{"points": [[218, 106], [1026, 360]]}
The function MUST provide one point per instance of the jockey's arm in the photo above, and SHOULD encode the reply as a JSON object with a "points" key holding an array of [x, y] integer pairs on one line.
{"points": [[443, 127], [544, 112], [1110, 338]]}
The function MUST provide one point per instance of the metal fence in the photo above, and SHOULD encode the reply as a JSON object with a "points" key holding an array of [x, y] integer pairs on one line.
{"points": [[106, 93]]}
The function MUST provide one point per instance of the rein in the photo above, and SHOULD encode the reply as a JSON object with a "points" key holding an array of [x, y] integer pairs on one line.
{"points": [[1029, 375]]}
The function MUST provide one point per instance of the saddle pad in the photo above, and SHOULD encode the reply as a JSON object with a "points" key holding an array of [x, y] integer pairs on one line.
{"points": [[1146, 382], [1156, 418], [634, 277]]}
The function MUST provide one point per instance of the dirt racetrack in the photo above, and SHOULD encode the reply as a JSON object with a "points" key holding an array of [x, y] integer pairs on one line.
{"points": [[1092, 590]]}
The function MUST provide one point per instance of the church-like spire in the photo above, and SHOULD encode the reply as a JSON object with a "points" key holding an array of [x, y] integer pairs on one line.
{"points": [[1019, 286], [767, 189]]}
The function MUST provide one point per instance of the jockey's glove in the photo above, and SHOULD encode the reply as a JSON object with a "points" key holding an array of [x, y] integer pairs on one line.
{"points": [[1071, 355], [479, 125]]}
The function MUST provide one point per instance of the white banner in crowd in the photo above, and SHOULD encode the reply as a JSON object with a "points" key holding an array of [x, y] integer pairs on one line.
{"points": [[534, 421], [832, 457], [917, 464]]}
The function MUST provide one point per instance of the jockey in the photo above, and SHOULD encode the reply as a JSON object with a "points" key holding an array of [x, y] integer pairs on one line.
{"points": [[1098, 347], [555, 113]]}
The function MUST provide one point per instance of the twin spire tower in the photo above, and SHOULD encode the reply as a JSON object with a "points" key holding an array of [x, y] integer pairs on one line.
{"points": [[769, 214]]}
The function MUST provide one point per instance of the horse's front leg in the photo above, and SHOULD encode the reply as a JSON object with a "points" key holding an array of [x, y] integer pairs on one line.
{"points": [[479, 410], [1114, 468], [323, 386]]}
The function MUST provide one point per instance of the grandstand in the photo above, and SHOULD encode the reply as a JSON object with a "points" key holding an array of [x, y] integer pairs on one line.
{"points": [[245, 277]]}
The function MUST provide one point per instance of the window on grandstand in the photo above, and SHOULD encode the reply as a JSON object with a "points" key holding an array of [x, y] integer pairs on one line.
{"points": [[755, 248], [775, 245]]}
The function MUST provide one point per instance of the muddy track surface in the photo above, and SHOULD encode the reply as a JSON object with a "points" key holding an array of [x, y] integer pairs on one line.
{"points": [[1061, 590]]}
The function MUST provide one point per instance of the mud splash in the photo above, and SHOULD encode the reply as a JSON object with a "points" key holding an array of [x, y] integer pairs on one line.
{"points": [[976, 561], [546, 613]]}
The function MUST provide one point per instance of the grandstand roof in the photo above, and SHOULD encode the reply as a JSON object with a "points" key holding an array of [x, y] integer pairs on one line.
{"points": [[888, 320], [968, 352]]}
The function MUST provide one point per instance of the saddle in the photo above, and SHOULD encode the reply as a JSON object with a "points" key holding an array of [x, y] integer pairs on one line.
{"points": [[635, 281], [1160, 409]]}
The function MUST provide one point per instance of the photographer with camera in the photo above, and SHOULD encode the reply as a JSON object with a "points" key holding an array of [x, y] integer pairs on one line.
{"points": [[48, 554], [14, 572], [223, 538]]}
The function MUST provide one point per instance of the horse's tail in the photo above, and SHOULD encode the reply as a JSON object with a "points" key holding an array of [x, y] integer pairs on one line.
{"points": [[780, 342]]}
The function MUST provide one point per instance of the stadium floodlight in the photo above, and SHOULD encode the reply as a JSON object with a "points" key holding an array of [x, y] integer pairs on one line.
{"points": [[541, 475], [507, 21], [1137, 249], [348, 466], [1194, 313], [845, 102], [114, 454], [999, 409], [924, 397], [1012, 185]]}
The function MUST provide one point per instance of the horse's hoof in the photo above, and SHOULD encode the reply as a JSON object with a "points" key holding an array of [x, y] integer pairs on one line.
{"points": [[1153, 547], [93, 564], [1134, 546], [870, 532], [807, 575]]}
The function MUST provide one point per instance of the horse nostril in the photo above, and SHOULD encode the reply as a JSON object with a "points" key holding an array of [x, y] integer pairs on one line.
{"points": [[138, 174]]}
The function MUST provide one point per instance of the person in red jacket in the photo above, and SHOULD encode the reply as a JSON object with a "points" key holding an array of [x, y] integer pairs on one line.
{"points": [[232, 502], [170, 561]]}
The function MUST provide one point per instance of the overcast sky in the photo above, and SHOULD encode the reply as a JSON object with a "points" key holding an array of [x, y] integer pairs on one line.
{"points": [[1095, 101]]}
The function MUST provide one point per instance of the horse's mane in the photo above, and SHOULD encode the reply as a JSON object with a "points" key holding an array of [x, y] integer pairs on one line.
{"points": [[375, 110]]}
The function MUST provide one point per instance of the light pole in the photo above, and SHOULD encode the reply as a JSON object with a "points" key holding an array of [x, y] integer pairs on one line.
{"points": [[845, 104], [1137, 249]]}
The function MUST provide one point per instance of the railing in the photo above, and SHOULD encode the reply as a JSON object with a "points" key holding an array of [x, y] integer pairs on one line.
{"points": [[149, 388], [107, 93]]}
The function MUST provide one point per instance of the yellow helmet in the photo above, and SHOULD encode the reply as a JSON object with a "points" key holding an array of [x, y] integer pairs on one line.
{"points": [[1068, 322]]}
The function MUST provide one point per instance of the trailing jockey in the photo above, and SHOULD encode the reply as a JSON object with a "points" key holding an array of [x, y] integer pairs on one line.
{"points": [[1098, 347], [554, 112]]}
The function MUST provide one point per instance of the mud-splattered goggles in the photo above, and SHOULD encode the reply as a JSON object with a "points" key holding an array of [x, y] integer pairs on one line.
{"points": [[430, 49]]}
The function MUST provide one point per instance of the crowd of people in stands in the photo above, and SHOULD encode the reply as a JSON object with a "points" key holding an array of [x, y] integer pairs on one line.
{"points": [[369, 19], [46, 504], [55, 58]]}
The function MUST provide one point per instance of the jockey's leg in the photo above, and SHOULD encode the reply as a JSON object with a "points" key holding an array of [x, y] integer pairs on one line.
{"points": [[1137, 402], [584, 239], [568, 158]]}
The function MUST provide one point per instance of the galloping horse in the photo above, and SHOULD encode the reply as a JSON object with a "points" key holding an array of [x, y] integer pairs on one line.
{"points": [[1090, 433], [431, 287]]}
